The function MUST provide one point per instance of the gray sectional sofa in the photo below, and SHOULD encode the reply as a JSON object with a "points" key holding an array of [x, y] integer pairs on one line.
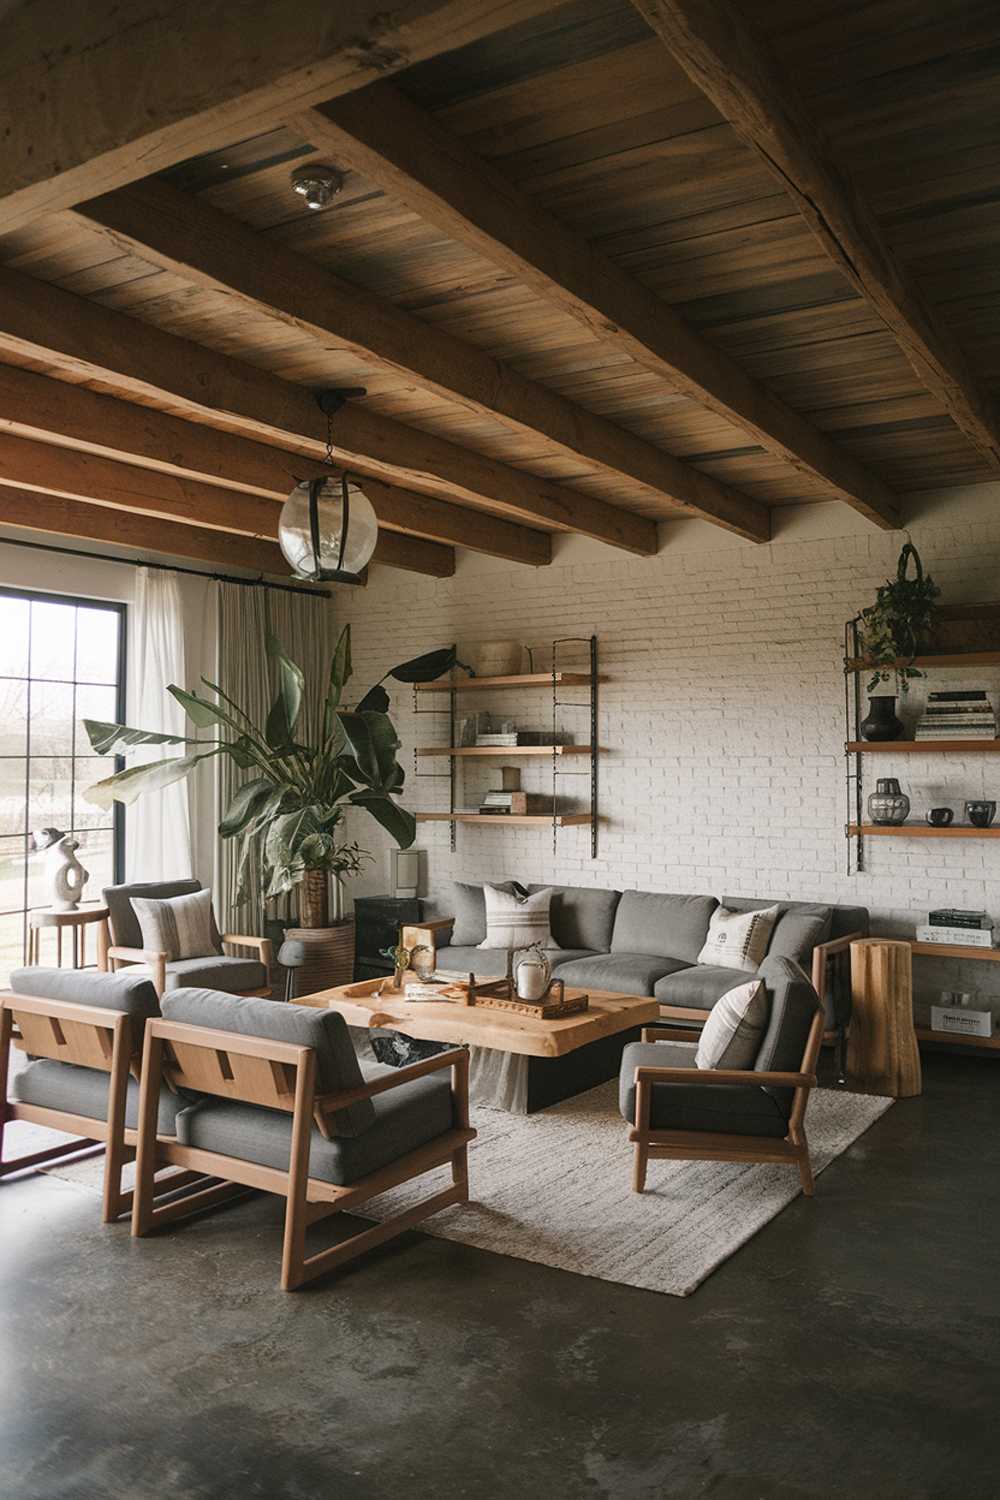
{"points": [[644, 943]]}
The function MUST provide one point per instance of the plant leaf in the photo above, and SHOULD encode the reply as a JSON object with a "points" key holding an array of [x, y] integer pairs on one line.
{"points": [[402, 825], [244, 804], [359, 737], [104, 738], [340, 667], [376, 700], [282, 719], [425, 668], [201, 713], [127, 786]]}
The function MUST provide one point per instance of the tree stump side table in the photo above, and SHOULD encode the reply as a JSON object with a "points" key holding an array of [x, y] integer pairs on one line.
{"points": [[882, 1053], [77, 922]]}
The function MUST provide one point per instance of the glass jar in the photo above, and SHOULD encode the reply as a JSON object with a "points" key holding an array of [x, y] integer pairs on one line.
{"points": [[888, 805]]}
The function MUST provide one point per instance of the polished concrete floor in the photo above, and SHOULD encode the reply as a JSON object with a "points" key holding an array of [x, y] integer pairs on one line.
{"points": [[852, 1348]]}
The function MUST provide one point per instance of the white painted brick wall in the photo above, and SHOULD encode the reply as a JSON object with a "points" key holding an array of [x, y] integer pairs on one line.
{"points": [[721, 715]]}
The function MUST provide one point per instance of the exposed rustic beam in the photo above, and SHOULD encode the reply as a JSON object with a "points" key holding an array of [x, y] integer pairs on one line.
{"points": [[74, 475], [719, 50], [58, 516], [79, 339], [397, 145], [188, 237], [35, 406], [94, 96]]}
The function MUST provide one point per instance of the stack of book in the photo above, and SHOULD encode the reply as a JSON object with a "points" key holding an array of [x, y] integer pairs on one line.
{"points": [[513, 737], [958, 716], [963, 929], [515, 803]]}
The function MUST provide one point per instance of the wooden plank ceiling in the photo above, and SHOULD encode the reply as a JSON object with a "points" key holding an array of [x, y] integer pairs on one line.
{"points": [[595, 270]]}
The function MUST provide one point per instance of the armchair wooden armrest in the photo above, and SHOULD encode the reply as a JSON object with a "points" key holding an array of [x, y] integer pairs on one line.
{"points": [[425, 934], [823, 951], [456, 1058], [157, 963], [724, 1075], [264, 946]]}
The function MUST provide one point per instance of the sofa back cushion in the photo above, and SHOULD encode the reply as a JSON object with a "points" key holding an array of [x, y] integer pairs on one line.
{"points": [[794, 1003], [133, 994], [326, 1031], [125, 929], [580, 916], [663, 926], [837, 921]]}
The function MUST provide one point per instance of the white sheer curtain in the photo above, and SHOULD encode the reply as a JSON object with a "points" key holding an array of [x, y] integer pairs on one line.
{"points": [[158, 826]]}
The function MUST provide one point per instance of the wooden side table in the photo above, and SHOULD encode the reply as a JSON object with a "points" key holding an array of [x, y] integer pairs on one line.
{"points": [[77, 922], [882, 1053]]}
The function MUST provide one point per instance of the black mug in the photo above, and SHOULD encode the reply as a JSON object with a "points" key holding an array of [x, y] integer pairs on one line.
{"points": [[940, 817], [980, 812]]}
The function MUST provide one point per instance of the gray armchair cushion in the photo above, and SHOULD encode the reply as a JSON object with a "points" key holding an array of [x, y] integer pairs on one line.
{"points": [[217, 972], [580, 916], [132, 993], [622, 973], [664, 926], [337, 1066], [125, 930], [794, 1003], [84, 1091], [698, 986], [491, 963], [728, 1108], [405, 1117]]}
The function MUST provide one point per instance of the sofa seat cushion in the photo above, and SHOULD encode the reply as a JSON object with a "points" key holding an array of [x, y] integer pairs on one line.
{"points": [[581, 916], [727, 1108], [647, 922], [405, 1117], [698, 986], [621, 973], [491, 963], [84, 1091]]}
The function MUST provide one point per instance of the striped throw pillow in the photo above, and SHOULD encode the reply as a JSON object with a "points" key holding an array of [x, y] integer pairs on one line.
{"points": [[738, 939], [732, 1035], [180, 927], [514, 921]]}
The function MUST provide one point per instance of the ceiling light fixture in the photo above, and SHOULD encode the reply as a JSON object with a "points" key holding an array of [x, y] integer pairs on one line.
{"points": [[328, 529], [317, 184]]}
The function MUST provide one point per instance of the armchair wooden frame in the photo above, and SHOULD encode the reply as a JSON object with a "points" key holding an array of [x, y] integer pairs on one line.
{"points": [[697, 1145], [281, 1075], [90, 1037], [111, 956]]}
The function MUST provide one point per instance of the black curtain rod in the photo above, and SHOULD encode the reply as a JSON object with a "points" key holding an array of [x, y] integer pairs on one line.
{"points": [[139, 562]]}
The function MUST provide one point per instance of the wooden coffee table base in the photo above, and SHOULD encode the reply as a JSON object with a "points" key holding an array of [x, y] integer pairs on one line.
{"points": [[539, 1082]]}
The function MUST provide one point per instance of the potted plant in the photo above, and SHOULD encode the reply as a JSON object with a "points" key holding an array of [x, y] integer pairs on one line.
{"points": [[892, 632], [289, 812]]}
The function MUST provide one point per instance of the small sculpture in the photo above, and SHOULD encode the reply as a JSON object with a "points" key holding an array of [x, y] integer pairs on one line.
{"points": [[64, 874]]}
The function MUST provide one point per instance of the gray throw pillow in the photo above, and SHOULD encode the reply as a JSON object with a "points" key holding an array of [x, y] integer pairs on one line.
{"points": [[179, 926], [732, 1035], [797, 934]]}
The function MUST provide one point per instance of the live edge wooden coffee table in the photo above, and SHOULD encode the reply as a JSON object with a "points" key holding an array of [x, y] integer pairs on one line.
{"points": [[528, 1062]]}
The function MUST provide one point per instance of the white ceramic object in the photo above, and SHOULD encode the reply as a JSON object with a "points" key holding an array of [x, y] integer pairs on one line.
{"points": [[532, 973], [65, 876]]}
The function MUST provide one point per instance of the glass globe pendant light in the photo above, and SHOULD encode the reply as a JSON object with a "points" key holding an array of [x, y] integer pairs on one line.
{"points": [[328, 529]]}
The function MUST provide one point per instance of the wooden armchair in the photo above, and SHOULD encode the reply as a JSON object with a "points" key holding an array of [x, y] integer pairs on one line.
{"points": [[680, 1112], [82, 1079], [294, 1146], [122, 944]]}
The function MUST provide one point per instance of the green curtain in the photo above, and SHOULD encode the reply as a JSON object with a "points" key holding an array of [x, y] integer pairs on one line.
{"points": [[304, 625]]}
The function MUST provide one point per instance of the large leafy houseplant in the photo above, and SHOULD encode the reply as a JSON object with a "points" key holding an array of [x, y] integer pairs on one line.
{"points": [[290, 811], [898, 625]]}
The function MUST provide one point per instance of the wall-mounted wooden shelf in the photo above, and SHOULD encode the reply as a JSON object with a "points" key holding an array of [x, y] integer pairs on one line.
{"points": [[950, 659], [534, 820], [518, 680], [506, 751], [955, 950], [910, 747], [922, 831]]}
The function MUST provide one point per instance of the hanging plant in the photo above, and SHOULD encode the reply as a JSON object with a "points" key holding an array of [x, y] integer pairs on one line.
{"points": [[896, 627]]}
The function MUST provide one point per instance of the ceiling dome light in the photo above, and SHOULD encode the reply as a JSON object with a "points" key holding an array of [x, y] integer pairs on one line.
{"points": [[328, 528]]}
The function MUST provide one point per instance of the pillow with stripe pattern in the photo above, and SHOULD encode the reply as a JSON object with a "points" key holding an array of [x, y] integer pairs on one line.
{"points": [[179, 926], [739, 939], [514, 921], [732, 1035]]}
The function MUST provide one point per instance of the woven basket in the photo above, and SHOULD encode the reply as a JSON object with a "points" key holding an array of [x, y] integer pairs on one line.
{"points": [[329, 956], [495, 658]]}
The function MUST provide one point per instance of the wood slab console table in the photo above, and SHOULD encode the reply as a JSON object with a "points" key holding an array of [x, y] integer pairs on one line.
{"points": [[542, 1061], [882, 1053]]}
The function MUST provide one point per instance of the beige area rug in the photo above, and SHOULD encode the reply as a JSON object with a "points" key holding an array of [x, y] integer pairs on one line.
{"points": [[555, 1188]]}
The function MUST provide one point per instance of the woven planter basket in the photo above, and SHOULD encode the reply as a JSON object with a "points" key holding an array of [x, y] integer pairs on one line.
{"points": [[329, 956]]}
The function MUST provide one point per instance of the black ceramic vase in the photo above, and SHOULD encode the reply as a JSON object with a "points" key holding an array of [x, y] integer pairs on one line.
{"points": [[881, 723]]}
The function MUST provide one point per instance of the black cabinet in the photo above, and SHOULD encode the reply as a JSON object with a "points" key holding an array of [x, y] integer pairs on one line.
{"points": [[377, 920]]}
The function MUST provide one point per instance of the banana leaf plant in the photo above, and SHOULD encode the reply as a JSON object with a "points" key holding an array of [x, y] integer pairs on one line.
{"points": [[290, 811]]}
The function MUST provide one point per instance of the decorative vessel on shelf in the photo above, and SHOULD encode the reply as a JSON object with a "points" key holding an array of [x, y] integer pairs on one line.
{"points": [[881, 722], [980, 812], [940, 817], [888, 805]]}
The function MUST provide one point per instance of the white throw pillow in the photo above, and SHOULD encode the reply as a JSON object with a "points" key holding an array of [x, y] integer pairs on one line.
{"points": [[180, 926], [738, 939], [514, 921], [732, 1035]]}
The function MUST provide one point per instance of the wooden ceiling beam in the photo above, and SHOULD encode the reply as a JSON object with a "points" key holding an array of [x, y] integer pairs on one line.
{"points": [[188, 237], [93, 97], [79, 340], [398, 146], [70, 474], [717, 47], [54, 411]]}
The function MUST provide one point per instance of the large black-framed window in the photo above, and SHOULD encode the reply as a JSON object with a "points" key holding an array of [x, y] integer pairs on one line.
{"points": [[62, 660]]}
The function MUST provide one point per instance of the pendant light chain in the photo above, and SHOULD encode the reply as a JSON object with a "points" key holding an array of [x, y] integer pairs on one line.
{"points": [[328, 456]]}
